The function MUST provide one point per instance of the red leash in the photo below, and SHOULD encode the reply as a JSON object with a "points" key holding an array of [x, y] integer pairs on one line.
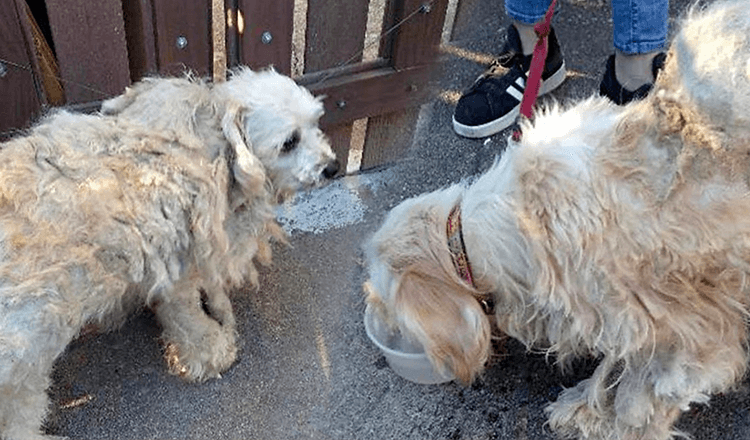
{"points": [[542, 30]]}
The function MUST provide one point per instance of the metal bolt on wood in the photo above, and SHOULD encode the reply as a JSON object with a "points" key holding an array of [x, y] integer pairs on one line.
{"points": [[3, 69], [181, 42], [266, 38]]}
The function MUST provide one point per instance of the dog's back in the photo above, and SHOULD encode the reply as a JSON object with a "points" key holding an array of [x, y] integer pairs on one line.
{"points": [[91, 194]]}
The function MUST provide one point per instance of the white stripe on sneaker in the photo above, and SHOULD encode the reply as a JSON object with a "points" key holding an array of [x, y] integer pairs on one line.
{"points": [[512, 91]]}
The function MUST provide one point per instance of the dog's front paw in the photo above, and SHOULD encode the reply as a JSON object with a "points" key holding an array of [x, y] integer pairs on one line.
{"points": [[572, 416], [201, 360]]}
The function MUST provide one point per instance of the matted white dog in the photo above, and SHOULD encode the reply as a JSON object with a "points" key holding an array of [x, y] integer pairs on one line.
{"points": [[619, 232], [164, 200]]}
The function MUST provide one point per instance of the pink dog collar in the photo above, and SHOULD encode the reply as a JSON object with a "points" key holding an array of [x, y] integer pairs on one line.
{"points": [[457, 247]]}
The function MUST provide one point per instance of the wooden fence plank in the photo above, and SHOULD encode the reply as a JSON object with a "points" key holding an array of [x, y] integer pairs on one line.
{"points": [[418, 38], [21, 94], [327, 22], [389, 137], [90, 46], [218, 41], [140, 36], [335, 33], [340, 138], [47, 71], [370, 93], [267, 35], [233, 43], [183, 40]]}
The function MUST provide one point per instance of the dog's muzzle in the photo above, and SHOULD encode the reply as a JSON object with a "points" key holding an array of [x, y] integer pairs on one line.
{"points": [[331, 169]]}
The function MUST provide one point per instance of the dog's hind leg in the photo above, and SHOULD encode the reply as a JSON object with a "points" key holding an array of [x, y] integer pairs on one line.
{"points": [[638, 412], [574, 415], [199, 345], [653, 393]]}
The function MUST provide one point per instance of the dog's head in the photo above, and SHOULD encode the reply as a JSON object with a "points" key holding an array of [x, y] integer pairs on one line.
{"points": [[273, 124], [270, 122], [414, 286]]}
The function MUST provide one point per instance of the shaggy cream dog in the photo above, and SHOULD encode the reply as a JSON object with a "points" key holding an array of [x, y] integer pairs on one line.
{"points": [[164, 200], [617, 232]]}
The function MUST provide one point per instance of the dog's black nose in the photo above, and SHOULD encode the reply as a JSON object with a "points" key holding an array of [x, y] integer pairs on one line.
{"points": [[331, 169]]}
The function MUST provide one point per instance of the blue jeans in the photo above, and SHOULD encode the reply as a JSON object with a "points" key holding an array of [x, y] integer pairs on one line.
{"points": [[640, 26]]}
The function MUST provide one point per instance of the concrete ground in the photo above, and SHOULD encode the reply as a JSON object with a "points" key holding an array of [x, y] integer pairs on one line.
{"points": [[306, 368]]}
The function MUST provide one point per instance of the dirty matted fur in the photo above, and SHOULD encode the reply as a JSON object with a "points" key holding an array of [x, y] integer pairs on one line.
{"points": [[166, 198], [617, 232]]}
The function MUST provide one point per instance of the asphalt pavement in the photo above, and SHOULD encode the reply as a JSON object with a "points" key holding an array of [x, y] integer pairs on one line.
{"points": [[306, 368]]}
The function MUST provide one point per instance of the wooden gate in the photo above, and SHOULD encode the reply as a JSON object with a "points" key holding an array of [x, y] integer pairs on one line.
{"points": [[370, 58]]}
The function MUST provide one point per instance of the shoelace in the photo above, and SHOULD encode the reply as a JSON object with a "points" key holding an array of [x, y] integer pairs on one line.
{"points": [[503, 62], [507, 59], [498, 67]]}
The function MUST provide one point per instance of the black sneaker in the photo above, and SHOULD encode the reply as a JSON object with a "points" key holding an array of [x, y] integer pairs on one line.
{"points": [[493, 102], [612, 89]]}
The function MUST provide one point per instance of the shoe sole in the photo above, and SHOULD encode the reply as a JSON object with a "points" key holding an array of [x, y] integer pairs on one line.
{"points": [[500, 124]]}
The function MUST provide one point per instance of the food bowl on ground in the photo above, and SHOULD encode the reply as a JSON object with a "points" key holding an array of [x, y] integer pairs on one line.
{"points": [[407, 358]]}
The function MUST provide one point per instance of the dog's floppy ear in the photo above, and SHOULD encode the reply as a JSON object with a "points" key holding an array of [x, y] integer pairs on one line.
{"points": [[446, 318], [248, 170]]}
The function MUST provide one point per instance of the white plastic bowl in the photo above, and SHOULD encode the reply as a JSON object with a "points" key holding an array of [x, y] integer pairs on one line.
{"points": [[404, 357]]}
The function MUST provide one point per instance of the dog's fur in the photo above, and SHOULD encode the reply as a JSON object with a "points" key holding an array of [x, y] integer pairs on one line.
{"points": [[164, 199], [616, 232]]}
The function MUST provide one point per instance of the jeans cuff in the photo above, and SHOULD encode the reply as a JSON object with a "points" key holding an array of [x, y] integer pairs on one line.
{"points": [[525, 18], [639, 47]]}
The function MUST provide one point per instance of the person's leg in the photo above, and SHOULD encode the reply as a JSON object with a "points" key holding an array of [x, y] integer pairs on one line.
{"points": [[493, 101], [640, 33], [525, 13]]}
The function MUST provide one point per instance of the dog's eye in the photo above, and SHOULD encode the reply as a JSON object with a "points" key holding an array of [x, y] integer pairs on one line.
{"points": [[291, 143]]}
